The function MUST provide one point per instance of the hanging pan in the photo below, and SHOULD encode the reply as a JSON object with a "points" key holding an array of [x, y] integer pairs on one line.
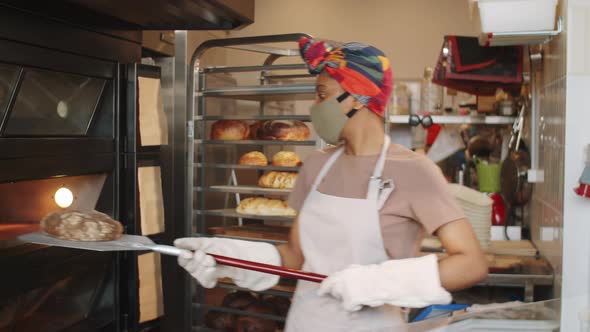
{"points": [[515, 187]]}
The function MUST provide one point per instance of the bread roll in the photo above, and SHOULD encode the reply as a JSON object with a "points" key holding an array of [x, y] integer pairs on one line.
{"points": [[283, 130], [253, 158], [286, 159], [81, 226], [262, 206], [230, 130], [278, 180]]}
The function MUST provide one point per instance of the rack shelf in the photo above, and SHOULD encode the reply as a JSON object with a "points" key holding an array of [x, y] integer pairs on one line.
{"points": [[238, 69], [269, 92], [306, 118], [254, 142], [249, 190], [459, 119], [520, 37], [231, 213], [252, 167]]}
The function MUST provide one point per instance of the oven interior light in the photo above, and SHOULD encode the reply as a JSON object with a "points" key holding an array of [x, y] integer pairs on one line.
{"points": [[63, 197]]}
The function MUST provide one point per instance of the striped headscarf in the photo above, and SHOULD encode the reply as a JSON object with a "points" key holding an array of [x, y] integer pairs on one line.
{"points": [[361, 70]]}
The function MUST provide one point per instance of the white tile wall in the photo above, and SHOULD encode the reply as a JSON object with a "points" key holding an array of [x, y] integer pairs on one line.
{"points": [[546, 209]]}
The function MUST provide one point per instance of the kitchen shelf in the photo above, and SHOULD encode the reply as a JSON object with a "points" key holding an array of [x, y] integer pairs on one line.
{"points": [[301, 91], [459, 119], [305, 118], [252, 167], [520, 37], [249, 190], [233, 214], [254, 142]]}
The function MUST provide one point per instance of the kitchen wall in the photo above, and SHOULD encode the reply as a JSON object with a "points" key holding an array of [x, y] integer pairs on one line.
{"points": [[546, 207], [576, 224], [409, 32]]}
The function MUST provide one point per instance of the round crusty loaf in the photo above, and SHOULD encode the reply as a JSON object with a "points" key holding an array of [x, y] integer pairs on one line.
{"points": [[278, 180], [221, 321], [263, 206], [255, 324], [81, 226], [286, 159], [283, 130], [230, 130], [253, 158]]}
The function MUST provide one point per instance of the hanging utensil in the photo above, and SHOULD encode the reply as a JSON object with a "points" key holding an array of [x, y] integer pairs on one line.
{"points": [[515, 188]]}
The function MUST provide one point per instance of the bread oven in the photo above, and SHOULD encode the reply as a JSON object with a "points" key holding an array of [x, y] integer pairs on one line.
{"points": [[59, 148]]}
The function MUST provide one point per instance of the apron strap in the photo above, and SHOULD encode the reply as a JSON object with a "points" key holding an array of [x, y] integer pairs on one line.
{"points": [[377, 190], [326, 168]]}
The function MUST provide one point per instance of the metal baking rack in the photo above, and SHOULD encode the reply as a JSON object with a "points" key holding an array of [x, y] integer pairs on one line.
{"points": [[217, 183]]}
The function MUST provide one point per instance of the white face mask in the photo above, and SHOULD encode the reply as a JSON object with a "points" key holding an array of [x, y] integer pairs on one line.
{"points": [[328, 120]]}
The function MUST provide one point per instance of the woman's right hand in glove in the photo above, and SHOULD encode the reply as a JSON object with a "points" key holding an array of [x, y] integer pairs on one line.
{"points": [[204, 268]]}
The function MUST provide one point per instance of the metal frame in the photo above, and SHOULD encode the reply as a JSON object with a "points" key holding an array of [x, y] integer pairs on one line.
{"points": [[197, 92]]}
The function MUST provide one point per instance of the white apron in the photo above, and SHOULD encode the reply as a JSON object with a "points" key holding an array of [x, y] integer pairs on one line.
{"points": [[334, 233]]}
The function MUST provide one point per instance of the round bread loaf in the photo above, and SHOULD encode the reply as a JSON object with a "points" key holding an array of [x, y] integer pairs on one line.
{"points": [[238, 300], [221, 321], [230, 130], [254, 129], [81, 226], [283, 130], [253, 158], [255, 324], [280, 304], [286, 159]]}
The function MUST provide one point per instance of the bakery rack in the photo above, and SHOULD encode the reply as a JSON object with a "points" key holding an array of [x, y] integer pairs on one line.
{"points": [[218, 180]]}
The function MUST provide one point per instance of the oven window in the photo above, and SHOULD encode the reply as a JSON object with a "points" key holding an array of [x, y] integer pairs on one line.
{"points": [[8, 79], [54, 104]]}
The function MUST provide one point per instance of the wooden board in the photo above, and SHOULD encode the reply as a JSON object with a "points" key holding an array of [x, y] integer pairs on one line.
{"points": [[153, 126], [151, 299], [151, 200]]}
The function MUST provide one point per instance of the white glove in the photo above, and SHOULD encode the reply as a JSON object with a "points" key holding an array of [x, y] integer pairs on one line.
{"points": [[412, 283], [204, 268]]}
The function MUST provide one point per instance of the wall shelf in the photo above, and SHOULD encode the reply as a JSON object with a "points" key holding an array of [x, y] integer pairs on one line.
{"points": [[520, 37]]}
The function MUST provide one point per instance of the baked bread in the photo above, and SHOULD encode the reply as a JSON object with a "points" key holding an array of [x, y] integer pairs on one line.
{"points": [[278, 180], [81, 226], [286, 159], [254, 129], [262, 206], [255, 324], [238, 300], [220, 321], [230, 130], [253, 158], [283, 130]]}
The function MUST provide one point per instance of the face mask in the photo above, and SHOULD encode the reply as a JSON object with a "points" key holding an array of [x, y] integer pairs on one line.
{"points": [[328, 120]]}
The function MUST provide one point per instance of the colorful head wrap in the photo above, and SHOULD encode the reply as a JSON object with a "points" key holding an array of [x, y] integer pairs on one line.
{"points": [[361, 70]]}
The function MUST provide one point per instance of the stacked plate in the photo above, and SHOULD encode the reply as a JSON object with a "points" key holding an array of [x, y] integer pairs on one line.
{"points": [[477, 207]]}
